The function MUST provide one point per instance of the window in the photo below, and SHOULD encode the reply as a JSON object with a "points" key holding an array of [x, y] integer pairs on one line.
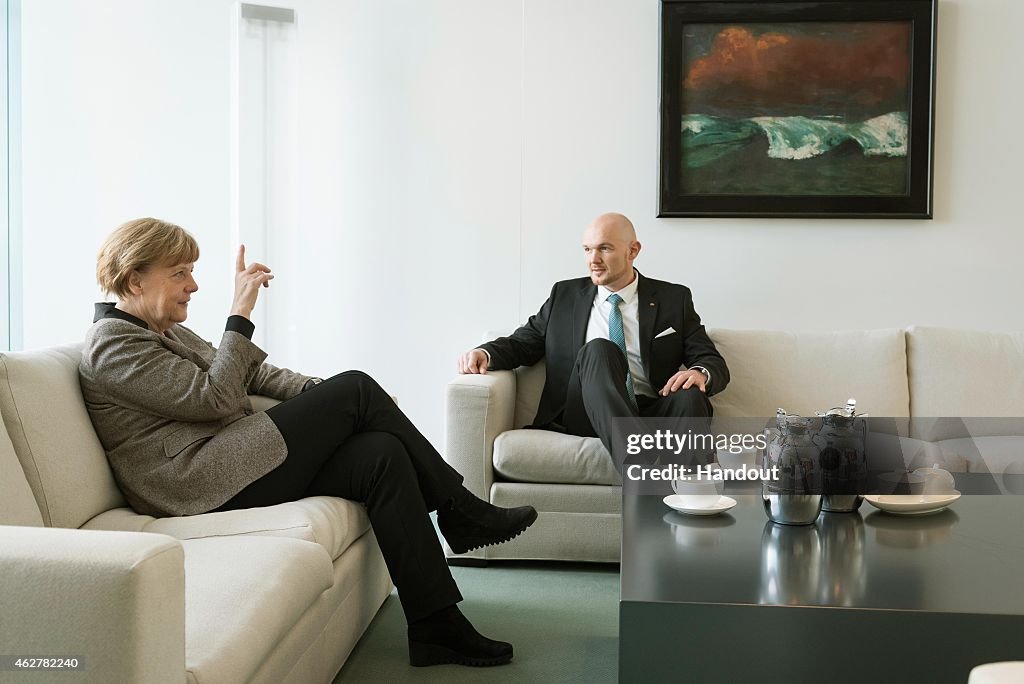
{"points": [[10, 176], [265, 165]]}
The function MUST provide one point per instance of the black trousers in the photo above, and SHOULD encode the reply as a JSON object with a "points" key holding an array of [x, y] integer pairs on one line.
{"points": [[597, 396], [347, 438]]}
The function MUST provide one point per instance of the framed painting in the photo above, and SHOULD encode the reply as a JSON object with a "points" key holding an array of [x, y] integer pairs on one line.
{"points": [[797, 109]]}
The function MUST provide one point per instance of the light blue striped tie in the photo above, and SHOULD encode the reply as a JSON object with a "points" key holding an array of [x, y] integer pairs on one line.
{"points": [[616, 335]]}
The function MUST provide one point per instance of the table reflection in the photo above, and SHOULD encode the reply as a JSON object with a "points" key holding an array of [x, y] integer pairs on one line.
{"points": [[912, 532], [820, 564], [843, 575], [692, 532], [790, 564]]}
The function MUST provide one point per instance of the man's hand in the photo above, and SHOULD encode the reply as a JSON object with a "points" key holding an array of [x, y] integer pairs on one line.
{"points": [[473, 361], [248, 280], [684, 380]]}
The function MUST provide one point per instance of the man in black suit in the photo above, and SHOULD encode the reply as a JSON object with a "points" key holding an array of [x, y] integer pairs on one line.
{"points": [[617, 344]]}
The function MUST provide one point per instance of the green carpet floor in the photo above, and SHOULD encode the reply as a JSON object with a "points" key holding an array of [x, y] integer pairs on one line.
{"points": [[561, 618]]}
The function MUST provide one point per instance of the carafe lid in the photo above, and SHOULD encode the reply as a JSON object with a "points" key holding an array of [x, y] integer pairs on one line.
{"points": [[848, 412], [783, 419]]}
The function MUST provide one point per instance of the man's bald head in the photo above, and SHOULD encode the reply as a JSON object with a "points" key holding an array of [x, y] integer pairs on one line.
{"points": [[612, 225], [610, 245]]}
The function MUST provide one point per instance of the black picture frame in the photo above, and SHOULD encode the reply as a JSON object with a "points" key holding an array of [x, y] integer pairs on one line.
{"points": [[900, 185]]}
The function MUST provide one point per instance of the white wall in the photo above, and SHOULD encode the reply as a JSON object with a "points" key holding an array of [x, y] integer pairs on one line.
{"points": [[591, 146], [124, 115], [452, 151]]}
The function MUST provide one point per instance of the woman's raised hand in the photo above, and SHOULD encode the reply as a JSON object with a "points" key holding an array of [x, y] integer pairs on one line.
{"points": [[248, 280]]}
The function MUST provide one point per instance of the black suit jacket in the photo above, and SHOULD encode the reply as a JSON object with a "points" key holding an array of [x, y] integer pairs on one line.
{"points": [[558, 331]]}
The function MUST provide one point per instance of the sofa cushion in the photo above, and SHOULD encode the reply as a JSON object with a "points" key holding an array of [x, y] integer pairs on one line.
{"points": [[242, 597], [554, 458], [328, 521], [46, 418], [576, 522], [558, 498], [17, 505], [989, 368], [804, 372]]}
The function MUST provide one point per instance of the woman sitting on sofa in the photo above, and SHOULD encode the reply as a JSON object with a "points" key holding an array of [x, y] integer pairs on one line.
{"points": [[174, 417]]}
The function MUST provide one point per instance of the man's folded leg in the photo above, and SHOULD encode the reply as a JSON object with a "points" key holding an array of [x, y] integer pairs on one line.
{"points": [[597, 395], [683, 403]]}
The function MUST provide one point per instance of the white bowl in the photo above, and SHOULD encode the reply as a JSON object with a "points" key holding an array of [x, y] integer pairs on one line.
{"points": [[698, 505], [937, 480], [912, 504]]}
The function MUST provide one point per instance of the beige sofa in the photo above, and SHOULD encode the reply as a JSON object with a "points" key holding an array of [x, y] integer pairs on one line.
{"points": [[920, 372], [276, 594]]}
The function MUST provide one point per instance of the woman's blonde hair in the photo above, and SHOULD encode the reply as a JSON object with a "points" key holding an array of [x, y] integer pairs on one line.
{"points": [[138, 245]]}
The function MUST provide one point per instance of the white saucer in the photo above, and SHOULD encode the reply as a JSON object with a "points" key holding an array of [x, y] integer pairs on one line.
{"points": [[912, 504], [679, 503]]}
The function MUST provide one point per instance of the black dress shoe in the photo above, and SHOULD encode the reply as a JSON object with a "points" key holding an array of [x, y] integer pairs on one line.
{"points": [[469, 523], [447, 637]]}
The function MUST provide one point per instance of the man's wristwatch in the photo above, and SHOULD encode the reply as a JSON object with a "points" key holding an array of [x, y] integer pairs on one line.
{"points": [[707, 375], [312, 382]]}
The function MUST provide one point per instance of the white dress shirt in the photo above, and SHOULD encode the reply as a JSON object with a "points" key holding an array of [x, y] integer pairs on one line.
{"points": [[597, 328]]}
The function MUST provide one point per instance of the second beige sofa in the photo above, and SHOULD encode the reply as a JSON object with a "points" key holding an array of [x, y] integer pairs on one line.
{"points": [[920, 372]]}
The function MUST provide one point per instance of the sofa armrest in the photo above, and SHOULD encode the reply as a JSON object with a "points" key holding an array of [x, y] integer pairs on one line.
{"points": [[478, 408], [116, 600]]}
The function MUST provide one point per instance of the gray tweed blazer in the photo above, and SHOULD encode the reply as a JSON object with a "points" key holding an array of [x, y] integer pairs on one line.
{"points": [[173, 413]]}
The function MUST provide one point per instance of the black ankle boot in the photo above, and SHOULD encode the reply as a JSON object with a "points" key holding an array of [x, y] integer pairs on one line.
{"points": [[448, 637], [469, 523]]}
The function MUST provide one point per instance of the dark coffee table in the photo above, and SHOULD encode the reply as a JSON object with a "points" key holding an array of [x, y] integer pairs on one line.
{"points": [[863, 597]]}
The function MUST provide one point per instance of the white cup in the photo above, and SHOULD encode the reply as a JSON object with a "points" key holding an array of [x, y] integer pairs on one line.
{"points": [[894, 482], [744, 459], [937, 480], [702, 492]]}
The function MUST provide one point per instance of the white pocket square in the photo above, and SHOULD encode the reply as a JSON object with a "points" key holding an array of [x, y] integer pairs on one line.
{"points": [[667, 331]]}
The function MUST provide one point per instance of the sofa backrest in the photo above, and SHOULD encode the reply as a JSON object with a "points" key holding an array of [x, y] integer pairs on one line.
{"points": [[49, 427], [965, 374], [17, 505], [529, 387], [804, 372]]}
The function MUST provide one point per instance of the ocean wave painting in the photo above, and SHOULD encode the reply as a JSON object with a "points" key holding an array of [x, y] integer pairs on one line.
{"points": [[801, 108], [706, 138]]}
